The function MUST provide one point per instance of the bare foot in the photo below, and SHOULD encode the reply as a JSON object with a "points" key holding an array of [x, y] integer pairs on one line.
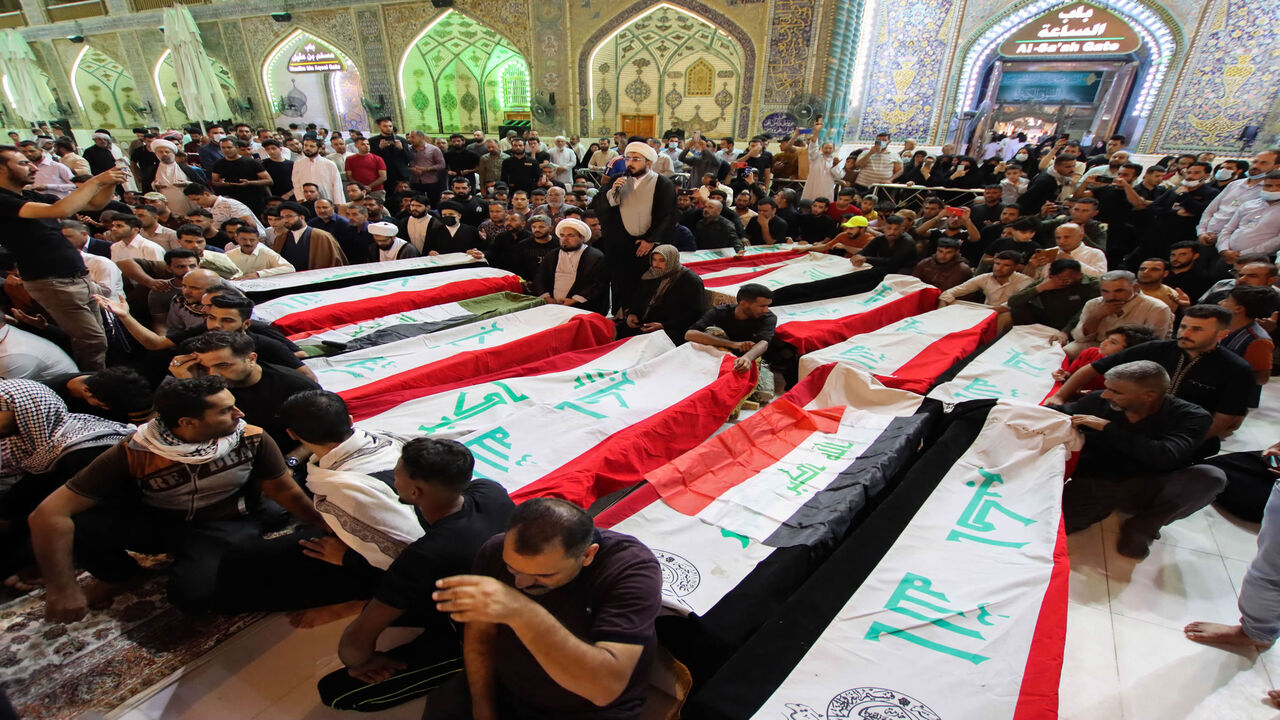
{"points": [[1274, 697], [100, 594], [315, 617], [1218, 634]]}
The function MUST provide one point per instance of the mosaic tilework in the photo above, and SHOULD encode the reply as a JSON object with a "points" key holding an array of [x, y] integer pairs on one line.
{"points": [[790, 38], [910, 50], [1230, 80]]}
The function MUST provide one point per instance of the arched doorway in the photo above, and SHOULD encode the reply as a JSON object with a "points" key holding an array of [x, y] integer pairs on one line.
{"points": [[165, 78], [309, 80], [459, 75], [666, 68], [1096, 67], [106, 92]]}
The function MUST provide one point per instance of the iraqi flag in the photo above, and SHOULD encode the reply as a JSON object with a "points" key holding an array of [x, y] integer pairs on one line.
{"points": [[788, 475], [308, 312], [807, 268], [1019, 366], [948, 602], [815, 325], [704, 262], [273, 286], [377, 374], [588, 431], [412, 323], [912, 353]]}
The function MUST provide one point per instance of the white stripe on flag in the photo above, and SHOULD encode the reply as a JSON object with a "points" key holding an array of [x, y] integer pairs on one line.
{"points": [[894, 287], [456, 413], [371, 270], [721, 253], [344, 372], [585, 410], [947, 616], [1019, 366], [273, 310], [810, 268], [885, 350], [346, 333]]}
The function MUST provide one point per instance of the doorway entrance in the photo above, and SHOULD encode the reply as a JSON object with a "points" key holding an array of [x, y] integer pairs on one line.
{"points": [[642, 125]]}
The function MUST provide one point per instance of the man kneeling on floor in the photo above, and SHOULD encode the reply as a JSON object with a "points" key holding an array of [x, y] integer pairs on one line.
{"points": [[559, 621], [189, 483], [1140, 442], [459, 515]]}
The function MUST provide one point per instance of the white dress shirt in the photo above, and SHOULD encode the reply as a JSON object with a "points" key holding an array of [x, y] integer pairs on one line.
{"points": [[1092, 261], [263, 260], [1140, 310], [162, 236], [105, 273], [136, 248], [323, 173], [564, 159], [225, 208], [1219, 211], [1253, 228], [994, 291], [27, 356]]}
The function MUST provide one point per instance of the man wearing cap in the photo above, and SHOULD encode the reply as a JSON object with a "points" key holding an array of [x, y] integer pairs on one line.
{"points": [[305, 247], [575, 275], [450, 235], [635, 212], [945, 269], [171, 177], [563, 159], [386, 246], [852, 238]]}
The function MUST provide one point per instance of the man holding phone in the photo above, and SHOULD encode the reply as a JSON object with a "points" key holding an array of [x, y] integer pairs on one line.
{"points": [[877, 165]]}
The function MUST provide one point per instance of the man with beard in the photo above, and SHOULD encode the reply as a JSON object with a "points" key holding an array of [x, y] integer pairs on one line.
{"points": [[635, 212], [576, 275], [519, 171], [1185, 273], [415, 227], [450, 235], [305, 247], [1140, 446], [169, 308], [394, 151], [550, 572], [503, 249], [339, 227], [496, 223], [474, 210], [127, 241], [531, 252], [320, 171], [386, 246], [240, 177], [459, 159], [554, 207], [99, 155]]}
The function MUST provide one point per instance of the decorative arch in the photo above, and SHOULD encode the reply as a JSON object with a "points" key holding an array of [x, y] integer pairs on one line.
{"points": [[1161, 38], [165, 78], [459, 74], [733, 41], [106, 91], [332, 97]]}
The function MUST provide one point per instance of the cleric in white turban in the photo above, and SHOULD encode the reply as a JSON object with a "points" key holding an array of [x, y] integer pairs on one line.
{"points": [[577, 277]]}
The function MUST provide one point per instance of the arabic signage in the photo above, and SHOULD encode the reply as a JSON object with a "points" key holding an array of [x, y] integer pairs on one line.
{"points": [[1050, 88], [779, 124], [312, 58], [1073, 30]]}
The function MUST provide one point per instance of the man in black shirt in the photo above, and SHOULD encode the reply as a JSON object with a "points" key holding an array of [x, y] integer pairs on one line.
{"points": [[1185, 271], [53, 272], [766, 228], [746, 327], [460, 160], [533, 250], [394, 151], [240, 177], [986, 211], [1021, 238], [975, 253], [459, 515], [893, 251], [519, 171], [1202, 372], [1140, 443], [553, 597], [280, 170], [259, 389], [815, 226], [117, 393]]}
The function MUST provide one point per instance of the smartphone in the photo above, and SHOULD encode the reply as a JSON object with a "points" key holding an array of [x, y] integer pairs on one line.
{"points": [[1273, 462], [1103, 179], [804, 131], [954, 211]]}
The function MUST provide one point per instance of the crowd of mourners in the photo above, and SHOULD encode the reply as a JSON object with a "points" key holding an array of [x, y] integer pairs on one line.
{"points": [[144, 409]]}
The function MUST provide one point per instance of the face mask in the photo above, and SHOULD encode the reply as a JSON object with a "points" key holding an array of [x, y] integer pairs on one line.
{"points": [[1191, 183], [673, 145], [1254, 172], [1223, 175], [1269, 196], [449, 220], [1020, 157]]}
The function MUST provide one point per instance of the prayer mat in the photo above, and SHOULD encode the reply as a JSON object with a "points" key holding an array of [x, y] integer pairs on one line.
{"points": [[54, 670]]}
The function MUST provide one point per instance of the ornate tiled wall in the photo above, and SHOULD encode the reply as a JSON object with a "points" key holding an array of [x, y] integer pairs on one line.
{"points": [[1230, 80]]}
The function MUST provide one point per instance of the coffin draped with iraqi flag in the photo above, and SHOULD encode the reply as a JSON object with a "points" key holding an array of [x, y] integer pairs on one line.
{"points": [[273, 286], [584, 424], [949, 602], [815, 325]]}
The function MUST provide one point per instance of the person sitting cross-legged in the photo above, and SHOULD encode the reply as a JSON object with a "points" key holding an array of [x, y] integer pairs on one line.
{"points": [[459, 514], [1140, 447]]}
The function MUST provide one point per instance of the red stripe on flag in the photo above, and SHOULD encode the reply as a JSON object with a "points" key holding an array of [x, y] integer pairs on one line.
{"points": [[921, 371], [704, 267], [624, 457], [692, 481], [810, 335], [643, 496], [736, 278], [803, 392], [1038, 696], [580, 331], [344, 313]]}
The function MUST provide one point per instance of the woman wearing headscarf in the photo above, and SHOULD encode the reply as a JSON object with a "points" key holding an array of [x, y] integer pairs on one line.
{"points": [[916, 172], [671, 298]]}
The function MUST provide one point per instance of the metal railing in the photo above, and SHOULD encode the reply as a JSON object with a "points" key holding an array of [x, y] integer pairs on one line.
{"points": [[140, 5], [12, 19], [75, 10]]}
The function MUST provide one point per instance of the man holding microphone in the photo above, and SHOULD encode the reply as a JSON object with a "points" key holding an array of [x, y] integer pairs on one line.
{"points": [[635, 212]]}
